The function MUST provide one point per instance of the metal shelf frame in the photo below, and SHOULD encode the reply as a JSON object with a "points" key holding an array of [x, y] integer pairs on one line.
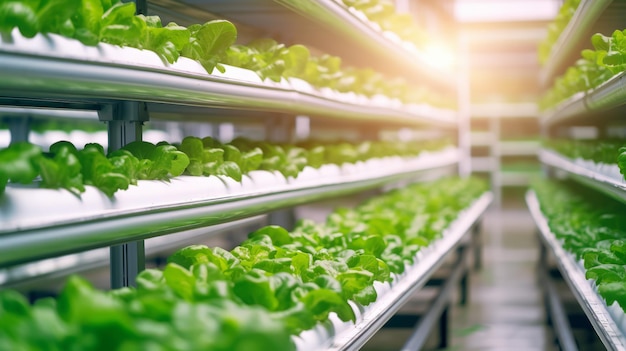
{"points": [[592, 304], [33, 273], [109, 227], [59, 80], [578, 29], [615, 188], [609, 95], [122, 86], [414, 278], [340, 18]]}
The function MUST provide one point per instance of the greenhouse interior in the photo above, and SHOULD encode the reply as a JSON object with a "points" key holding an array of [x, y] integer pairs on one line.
{"points": [[309, 175]]}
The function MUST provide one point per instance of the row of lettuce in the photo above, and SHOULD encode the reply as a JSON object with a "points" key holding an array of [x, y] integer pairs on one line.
{"points": [[257, 296], [385, 14], [602, 151], [556, 27], [211, 44], [594, 67], [67, 167], [593, 228]]}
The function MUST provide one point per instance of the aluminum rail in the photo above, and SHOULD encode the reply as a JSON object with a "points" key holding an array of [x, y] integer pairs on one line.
{"points": [[578, 29], [611, 186], [591, 303], [155, 208], [354, 336], [47, 113], [607, 96], [51, 76], [33, 273], [339, 17]]}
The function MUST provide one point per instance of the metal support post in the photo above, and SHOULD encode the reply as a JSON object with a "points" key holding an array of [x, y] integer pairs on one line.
{"points": [[19, 127], [281, 129], [127, 260], [462, 262], [478, 245], [443, 328], [464, 109], [140, 5], [124, 121]]}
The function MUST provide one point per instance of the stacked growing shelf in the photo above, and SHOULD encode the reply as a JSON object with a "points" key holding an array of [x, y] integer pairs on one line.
{"points": [[508, 160], [126, 87], [594, 114]]}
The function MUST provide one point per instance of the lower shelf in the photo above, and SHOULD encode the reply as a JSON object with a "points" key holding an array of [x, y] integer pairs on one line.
{"points": [[602, 177], [609, 322], [34, 274], [338, 335], [31, 227]]}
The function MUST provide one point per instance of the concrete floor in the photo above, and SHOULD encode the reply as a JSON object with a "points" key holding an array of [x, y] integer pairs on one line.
{"points": [[506, 310]]}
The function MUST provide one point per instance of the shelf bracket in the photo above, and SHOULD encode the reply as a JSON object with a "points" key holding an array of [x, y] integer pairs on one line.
{"points": [[124, 120]]}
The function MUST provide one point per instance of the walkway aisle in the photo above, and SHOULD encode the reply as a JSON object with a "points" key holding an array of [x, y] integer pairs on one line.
{"points": [[505, 310]]}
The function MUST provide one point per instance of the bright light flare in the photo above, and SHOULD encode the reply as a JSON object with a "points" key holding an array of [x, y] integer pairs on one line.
{"points": [[439, 55]]}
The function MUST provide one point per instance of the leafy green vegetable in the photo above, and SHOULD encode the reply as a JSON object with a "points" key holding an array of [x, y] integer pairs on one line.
{"points": [[384, 13], [592, 227], [208, 43], [274, 285], [63, 170], [560, 21], [158, 162], [607, 151], [607, 59], [18, 163]]}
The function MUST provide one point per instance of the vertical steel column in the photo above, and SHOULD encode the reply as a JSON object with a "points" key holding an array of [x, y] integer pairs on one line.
{"points": [[464, 113], [496, 155], [443, 328], [124, 121], [19, 127], [141, 6], [477, 244], [281, 129]]}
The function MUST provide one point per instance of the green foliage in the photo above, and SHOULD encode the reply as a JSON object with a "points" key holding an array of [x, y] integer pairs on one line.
{"points": [[592, 227], [383, 12], [255, 297], [19, 163], [115, 22], [213, 43], [607, 151], [565, 14], [66, 167], [607, 59], [152, 317]]}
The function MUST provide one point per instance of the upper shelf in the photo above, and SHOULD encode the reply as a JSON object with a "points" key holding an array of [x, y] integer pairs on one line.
{"points": [[32, 227], [62, 72], [610, 95], [598, 313], [564, 50], [314, 22], [346, 336], [605, 178]]}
